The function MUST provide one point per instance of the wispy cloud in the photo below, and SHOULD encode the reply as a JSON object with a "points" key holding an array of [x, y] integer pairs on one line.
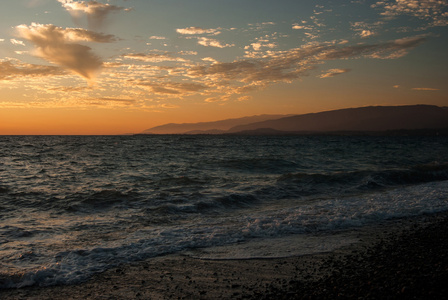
{"points": [[58, 46], [301, 27], [432, 10], [69, 89], [95, 12], [10, 70], [334, 72], [17, 42], [153, 57], [154, 37], [311, 28], [207, 42], [263, 53], [103, 101], [259, 45], [171, 88], [389, 50], [188, 53], [365, 30], [291, 64], [198, 30], [425, 89], [366, 33]]}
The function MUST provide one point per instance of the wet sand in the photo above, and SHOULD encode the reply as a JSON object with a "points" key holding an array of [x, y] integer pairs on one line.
{"points": [[401, 259]]}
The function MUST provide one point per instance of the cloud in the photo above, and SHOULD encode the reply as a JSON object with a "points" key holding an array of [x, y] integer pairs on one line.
{"points": [[115, 101], [274, 66], [258, 45], [206, 77], [210, 59], [154, 37], [425, 89], [389, 50], [197, 30], [96, 12], [207, 42], [260, 26], [366, 33], [69, 89], [334, 72], [188, 53], [58, 46], [435, 11], [10, 70], [49, 32], [275, 69], [304, 27], [172, 88], [244, 98], [222, 98], [17, 42], [153, 57], [365, 30]]}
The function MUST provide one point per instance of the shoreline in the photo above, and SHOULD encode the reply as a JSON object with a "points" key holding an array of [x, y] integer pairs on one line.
{"points": [[399, 259]]}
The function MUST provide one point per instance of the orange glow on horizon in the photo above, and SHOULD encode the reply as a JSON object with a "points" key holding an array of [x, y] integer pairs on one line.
{"points": [[94, 68]]}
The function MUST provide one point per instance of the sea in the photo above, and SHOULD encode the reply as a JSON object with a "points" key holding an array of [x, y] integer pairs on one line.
{"points": [[74, 206]]}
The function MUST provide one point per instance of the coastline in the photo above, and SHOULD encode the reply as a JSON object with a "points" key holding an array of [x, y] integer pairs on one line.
{"points": [[404, 258]]}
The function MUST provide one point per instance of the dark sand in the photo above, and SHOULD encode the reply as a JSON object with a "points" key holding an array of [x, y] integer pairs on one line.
{"points": [[401, 259]]}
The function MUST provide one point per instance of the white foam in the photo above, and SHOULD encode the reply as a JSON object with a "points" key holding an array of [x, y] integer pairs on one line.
{"points": [[280, 247], [267, 233]]}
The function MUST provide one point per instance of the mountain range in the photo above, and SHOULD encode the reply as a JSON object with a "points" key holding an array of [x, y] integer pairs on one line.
{"points": [[215, 127], [362, 119]]}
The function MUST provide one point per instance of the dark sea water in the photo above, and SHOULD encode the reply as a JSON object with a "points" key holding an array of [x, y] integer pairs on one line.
{"points": [[73, 206]]}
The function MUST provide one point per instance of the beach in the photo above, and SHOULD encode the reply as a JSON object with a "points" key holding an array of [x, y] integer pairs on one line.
{"points": [[398, 259]]}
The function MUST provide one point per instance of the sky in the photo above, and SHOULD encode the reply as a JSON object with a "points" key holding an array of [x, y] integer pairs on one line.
{"points": [[123, 66]]}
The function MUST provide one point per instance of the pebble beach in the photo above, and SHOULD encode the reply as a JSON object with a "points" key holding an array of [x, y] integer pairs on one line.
{"points": [[399, 259]]}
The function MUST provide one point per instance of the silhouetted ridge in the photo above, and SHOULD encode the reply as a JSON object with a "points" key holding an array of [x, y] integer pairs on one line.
{"points": [[399, 119], [373, 118], [215, 127]]}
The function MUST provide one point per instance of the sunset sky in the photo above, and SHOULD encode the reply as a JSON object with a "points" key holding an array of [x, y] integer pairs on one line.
{"points": [[114, 67]]}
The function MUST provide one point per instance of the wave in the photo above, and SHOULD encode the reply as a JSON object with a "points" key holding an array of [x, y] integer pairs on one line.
{"points": [[364, 181], [232, 201], [16, 232], [181, 180], [263, 165], [4, 189], [204, 205], [94, 201], [324, 216]]}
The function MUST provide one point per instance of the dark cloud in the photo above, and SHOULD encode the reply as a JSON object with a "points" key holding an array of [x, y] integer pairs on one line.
{"points": [[10, 70], [58, 46]]}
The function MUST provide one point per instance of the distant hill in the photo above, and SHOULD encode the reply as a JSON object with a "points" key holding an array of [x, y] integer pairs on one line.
{"points": [[394, 119], [215, 127], [373, 118]]}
